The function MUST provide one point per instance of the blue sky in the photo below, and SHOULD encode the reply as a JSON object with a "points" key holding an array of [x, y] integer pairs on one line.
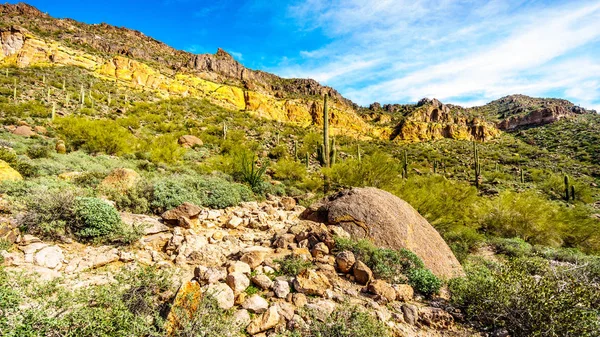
{"points": [[465, 52]]}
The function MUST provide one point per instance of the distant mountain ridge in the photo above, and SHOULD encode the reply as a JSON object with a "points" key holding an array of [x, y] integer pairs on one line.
{"points": [[29, 37]]}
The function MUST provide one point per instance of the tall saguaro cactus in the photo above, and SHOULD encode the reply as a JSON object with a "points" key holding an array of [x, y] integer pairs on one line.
{"points": [[326, 161], [566, 188], [326, 152], [476, 164], [405, 166]]}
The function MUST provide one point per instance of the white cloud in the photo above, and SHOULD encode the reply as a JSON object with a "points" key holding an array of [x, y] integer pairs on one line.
{"points": [[460, 51]]}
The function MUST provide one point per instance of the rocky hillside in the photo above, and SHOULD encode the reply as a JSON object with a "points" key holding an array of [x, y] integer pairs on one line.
{"points": [[29, 37], [275, 271]]}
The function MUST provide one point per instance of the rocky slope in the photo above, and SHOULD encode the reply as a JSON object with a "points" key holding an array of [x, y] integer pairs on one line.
{"points": [[31, 38], [223, 252]]}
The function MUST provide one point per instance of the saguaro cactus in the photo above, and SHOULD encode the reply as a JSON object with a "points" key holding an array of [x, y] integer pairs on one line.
{"points": [[307, 160], [566, 188], [224, 130], [405, 166], [295, 150], [15, 90], [326, 161], [476, 164], [358, 154]]}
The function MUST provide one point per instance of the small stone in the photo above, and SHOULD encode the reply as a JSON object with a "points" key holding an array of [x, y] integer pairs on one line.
{"points": [[253, 258], [49, 257], [299, 300], [189, 141], [185, 215], [404, 292], [264, 322], [262, 281], [239, 267], [281, 288], [288, 203], [242, 318], [383, 290], [345, 261], [234, 222], [311, 282], [256, 304], [223, 294], [238, 282], [209, 275], [411, 313], [322, 309], [320, 250], [362, 273]]}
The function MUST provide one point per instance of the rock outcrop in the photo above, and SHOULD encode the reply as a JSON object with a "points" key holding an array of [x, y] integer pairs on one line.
{"points": [[387, 221]]}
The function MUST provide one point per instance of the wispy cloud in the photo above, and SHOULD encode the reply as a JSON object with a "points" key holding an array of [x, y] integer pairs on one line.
{"points": [[464, 52]]}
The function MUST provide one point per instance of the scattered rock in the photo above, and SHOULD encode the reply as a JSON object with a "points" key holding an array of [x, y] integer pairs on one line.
{"points": [[311, 282], [404, 292], [262, 281], [322, 309], [281, 288], [253, 258], [242, 318], [209, 275], [238, 282], [120, 179], [234, 222], [299, 300], [185, 215], [319, 250], [436, 318], [411, 313], [189, 141], [239, 267], [256, 304], [288, 203], [24, 130], [264, 322], [223, 294], [362, 273], [345, 261], [383, 290]]}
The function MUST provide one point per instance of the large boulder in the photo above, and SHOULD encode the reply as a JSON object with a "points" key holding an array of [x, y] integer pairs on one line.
{"points": [[189, 141], [389, 222]]}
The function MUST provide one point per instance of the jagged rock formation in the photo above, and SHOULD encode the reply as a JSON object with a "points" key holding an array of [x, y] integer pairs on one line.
{"points": [[430, 119], [388, 221], [518, 111]]}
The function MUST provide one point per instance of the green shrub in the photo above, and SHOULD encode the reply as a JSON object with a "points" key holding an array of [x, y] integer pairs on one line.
{"points": [[530, 297], [387, 264], [95, 136], [211, 192], [49, 213], [346, 321], [39, 151], [424, 281], [289, 170], [96, 219], [514, 247], [293, 265], [377, 170], [129, 307]]}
